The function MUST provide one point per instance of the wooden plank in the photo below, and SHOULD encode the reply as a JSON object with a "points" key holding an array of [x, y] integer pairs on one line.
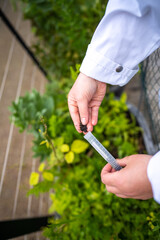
{"points": [[7, 43], [9, 95], [3, 4], [20, 76]]}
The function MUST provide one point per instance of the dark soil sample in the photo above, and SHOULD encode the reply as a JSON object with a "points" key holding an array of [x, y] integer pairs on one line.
{"points": [[83, 127]]}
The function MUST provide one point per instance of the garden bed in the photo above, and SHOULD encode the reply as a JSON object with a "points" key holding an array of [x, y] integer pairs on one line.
{"points": [[70, 171]]}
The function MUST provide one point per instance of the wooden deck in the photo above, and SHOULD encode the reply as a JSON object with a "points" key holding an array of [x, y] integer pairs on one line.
{"points": [[18, 74]]}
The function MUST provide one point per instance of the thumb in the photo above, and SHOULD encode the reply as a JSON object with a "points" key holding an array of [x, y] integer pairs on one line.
{"points": [[83, 110], [123, 161]]}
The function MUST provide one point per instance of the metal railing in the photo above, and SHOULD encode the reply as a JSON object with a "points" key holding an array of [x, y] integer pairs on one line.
{"points": [[150, 75]]}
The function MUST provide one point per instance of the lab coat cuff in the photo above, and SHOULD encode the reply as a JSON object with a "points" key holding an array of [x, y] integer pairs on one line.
{"points": [[153, 172], [101, 68]]}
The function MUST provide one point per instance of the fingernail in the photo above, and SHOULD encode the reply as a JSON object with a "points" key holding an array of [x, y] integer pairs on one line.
{"points": [[93, 122], [90, 128], [83, 120]]}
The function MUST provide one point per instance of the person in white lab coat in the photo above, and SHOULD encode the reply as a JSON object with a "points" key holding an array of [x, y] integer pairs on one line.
{"points": [[126, 35]]}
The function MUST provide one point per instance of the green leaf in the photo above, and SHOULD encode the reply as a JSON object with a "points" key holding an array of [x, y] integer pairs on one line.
{"points": [[65, 148], [41, 167], [123, 98], [106, 143], [58, 141], [34, 178], [43, 142], [79, 146], [48, 176], [40, 187], [69, 157]]}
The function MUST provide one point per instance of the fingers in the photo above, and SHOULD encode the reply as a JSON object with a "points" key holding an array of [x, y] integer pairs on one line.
{"points": [[80, 112], [121, 195], [110, 177], [75, 115], [128, 159], [95, 115], [131, 181], [122, 162], [107, 168], [84, 100], [74, 112], [89, 125], [83, 111], [111, 189]]}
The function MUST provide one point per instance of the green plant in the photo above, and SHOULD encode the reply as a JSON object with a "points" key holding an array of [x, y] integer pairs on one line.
{"points": [[71, 170], [64, 29], [28, 110]]}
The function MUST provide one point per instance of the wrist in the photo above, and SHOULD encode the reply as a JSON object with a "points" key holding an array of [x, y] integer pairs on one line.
{"points": [[86, 77]]}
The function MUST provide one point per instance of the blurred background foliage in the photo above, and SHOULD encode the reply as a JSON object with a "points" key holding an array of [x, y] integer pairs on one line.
{"points": [[63, 29]]}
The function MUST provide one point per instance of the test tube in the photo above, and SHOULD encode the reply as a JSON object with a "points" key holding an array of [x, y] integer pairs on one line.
{"points": [[102, 151]]}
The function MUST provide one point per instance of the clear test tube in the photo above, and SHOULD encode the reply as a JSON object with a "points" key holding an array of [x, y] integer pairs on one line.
{"points": [[102, 151]]}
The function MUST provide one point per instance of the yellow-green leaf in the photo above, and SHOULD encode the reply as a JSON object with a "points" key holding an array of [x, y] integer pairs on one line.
{"points": [[34, 178], [123, 98], [52, 208], [41, 167], [69, 157], [65, 148], [52, 196], [58, 141], [93, 196], [43, 142], [47, 144], [105, 143], [48, 176], [79, 146]]}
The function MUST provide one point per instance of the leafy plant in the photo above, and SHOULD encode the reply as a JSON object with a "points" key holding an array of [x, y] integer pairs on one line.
{"points": [[64, 29], [28, 110], [71, 170]]}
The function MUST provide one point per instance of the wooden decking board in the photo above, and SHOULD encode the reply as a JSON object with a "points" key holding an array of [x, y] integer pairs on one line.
{"points": [[6, 37], [18, 90], [18, 74]]}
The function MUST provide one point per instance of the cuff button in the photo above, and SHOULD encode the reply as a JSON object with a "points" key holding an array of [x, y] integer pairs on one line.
{"points": [[119, 69]]}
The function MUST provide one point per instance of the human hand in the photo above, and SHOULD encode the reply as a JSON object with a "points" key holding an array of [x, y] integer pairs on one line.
{"points": [[84, 100], [132, 180]]}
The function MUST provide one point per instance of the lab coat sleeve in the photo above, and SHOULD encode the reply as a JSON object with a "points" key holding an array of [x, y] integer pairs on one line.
{"points": [[153, 172], [126, 35]]}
